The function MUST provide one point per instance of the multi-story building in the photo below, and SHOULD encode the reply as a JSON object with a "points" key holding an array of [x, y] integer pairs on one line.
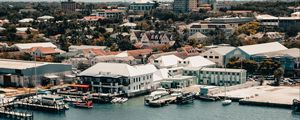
{"points": [[110, 14], [183, 6], [281, 22], [218, 55], [207, 29], [142, 6], [217, 76], [69, 5], [119, 78]]}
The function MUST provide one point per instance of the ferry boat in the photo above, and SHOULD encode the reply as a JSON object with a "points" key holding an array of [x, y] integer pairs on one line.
{"points": [[51, 100], [185, 98]]}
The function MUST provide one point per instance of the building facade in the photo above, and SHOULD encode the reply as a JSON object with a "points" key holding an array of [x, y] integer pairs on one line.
{"points": [[16, 73], [118, 78], [69, 5], [183, 6], [217, 76]]}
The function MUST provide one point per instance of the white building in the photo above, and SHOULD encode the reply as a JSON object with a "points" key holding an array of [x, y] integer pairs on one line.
{"points": [[218, 76], [74, 48], [218, 55], [206, 29], [167, 61], [119, 78], [26, 46]]}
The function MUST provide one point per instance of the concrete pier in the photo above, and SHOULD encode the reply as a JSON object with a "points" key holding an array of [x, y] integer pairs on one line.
{"points": [[281, 96]]}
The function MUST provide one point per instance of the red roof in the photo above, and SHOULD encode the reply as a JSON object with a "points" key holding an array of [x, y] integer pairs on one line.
{"points": [[139, 52], [44, 50], [93, 18], [80, 86]]}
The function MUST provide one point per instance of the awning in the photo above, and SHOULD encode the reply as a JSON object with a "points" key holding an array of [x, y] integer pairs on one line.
{"points": [[51, 76]]}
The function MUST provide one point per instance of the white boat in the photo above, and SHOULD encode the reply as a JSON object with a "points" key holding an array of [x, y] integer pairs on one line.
{"points": [[116, 100], [226, 102], [119, 100], [123, 100]]}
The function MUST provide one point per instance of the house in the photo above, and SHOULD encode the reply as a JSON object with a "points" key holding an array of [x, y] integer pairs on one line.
{"points": [[167, 61], [91, 18], [17, 73], [129, 25], [136, 35], [217, 76], [23, 47], [218, 55], [73, 48], [42, 52], [199, 37], [155, 38], [196, 62], [119, 78]]}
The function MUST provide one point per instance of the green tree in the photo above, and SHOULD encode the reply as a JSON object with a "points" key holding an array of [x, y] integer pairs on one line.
{"points": [[278, 73]]}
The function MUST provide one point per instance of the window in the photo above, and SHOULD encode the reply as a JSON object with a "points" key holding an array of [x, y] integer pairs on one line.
{"points": [[216, 57], [211, 56], [205, 56], [128, 87]]}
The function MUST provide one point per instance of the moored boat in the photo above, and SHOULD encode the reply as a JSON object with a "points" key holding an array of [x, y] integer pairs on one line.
{"points": [[185, 98], [296, 106], [83, 104], [226, 102]]}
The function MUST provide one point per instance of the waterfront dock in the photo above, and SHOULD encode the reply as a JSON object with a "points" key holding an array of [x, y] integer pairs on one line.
{"points": [[281, 96], [16, 115]]}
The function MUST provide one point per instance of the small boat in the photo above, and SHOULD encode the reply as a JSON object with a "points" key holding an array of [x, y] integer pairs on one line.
{"points": [[226, 102], [116, 100], [123, 100], [119, 100], [160, 92], [83, 104]]}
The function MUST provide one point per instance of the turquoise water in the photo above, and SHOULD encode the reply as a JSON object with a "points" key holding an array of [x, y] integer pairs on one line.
{"points": [[134, 109]]}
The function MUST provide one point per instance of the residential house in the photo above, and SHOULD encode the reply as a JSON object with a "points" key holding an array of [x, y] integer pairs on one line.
{"points": [[110, 14], [167, 61], [199, 37], [23, 47], [156, 38]]}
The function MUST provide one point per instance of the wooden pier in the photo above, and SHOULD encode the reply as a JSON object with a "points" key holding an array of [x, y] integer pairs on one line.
{"points": [[16, 115]]}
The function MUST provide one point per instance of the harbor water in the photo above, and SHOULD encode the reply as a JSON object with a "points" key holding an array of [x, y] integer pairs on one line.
{"points": [[134, 109]]}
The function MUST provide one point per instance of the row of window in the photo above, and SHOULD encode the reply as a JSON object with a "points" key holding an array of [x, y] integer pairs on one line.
{"points": [[138, 79], [211, 57]]}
